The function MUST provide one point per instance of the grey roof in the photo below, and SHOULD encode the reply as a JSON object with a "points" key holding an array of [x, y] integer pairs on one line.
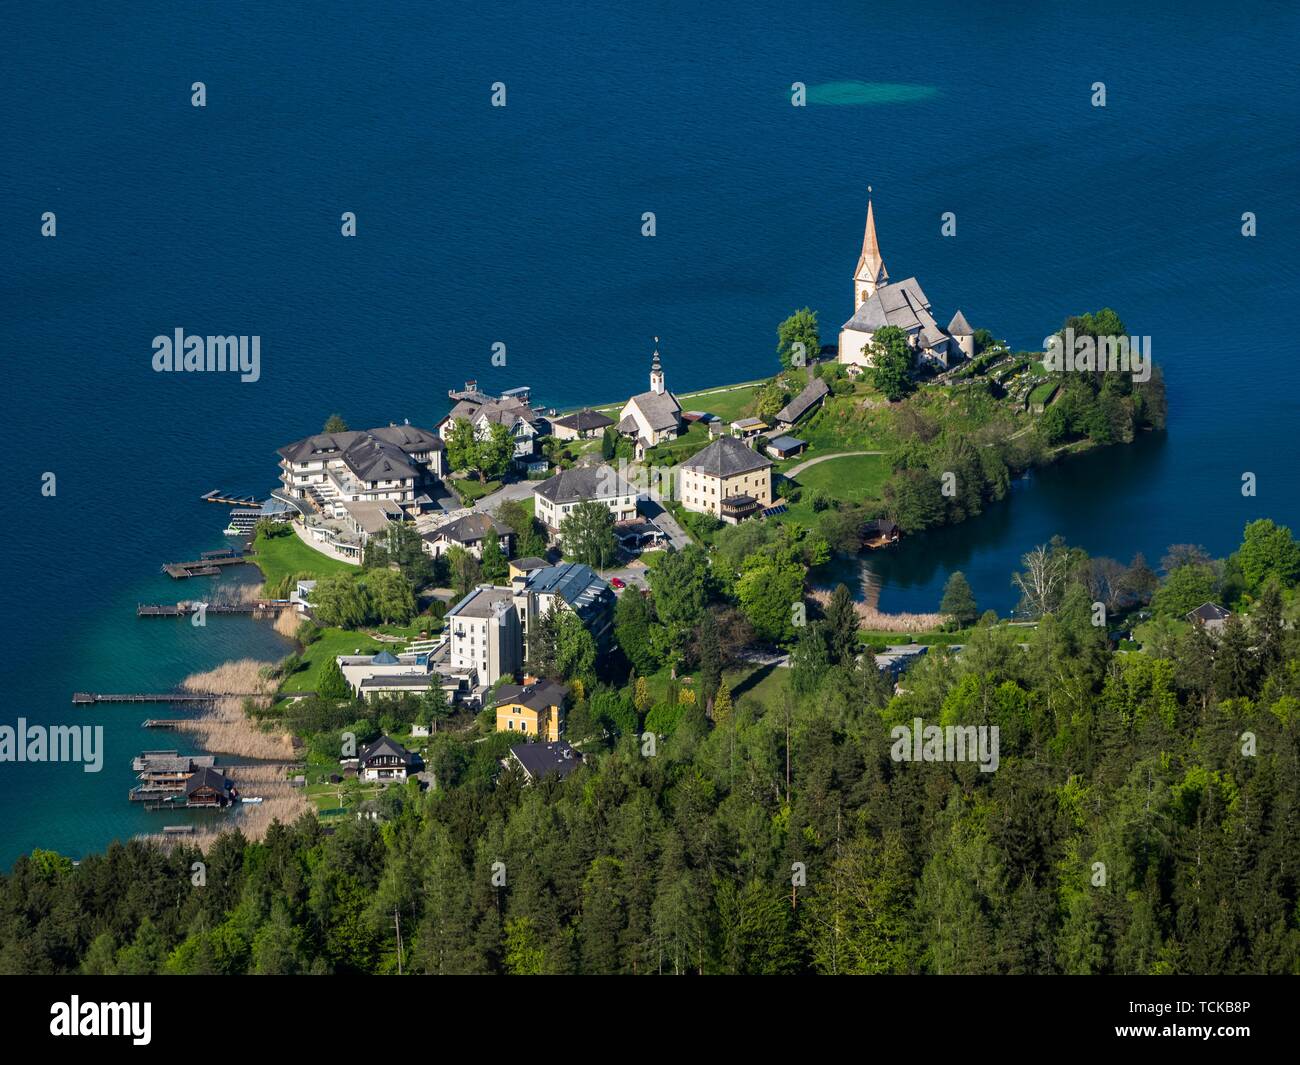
{"points": [[577, 584], [627, 425], [505, 412], [726, 457], [1209, 612], [408, 439], [584, 421], [529, 562], [469, 529], [815, 391], [959, 327], [584, 482], [207, 777], [383, 747], [660, 409], [785, 443], [482, 602], [539, 759], [384, 658], [538, 696], [377, 460], [902, 304]]}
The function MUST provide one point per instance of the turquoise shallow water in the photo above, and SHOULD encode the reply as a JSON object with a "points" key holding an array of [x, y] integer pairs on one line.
{"points": [[522, 225]]}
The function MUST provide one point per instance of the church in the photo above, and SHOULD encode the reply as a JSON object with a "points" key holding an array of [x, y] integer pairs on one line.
{"points": [[878, 302], [652, 417]]}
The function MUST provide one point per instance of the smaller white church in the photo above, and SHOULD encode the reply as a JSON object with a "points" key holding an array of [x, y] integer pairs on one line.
{"points": [[652, 417], [878, 302]]}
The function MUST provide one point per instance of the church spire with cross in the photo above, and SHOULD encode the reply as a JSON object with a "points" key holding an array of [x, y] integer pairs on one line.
{"points": [[871, 272], [656, 372]]}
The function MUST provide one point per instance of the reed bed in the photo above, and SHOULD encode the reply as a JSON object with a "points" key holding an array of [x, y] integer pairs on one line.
{"points": [[877, 620], [287, 624], [243, 676], [224, 728]]}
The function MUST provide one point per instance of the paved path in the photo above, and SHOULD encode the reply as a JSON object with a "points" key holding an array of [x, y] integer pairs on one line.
{"points": [[793, 470], [517, 490]]}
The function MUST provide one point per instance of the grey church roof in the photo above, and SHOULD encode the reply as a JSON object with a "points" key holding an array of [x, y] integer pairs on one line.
{"points": [[902, 304], [959, 327], [660, 409], [726, 457]]}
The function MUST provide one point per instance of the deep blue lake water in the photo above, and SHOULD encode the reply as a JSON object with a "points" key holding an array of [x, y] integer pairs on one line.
{"points": [[523, 225]]}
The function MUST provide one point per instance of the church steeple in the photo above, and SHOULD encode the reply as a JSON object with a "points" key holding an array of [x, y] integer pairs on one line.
{"points": [[656, 372], [871, 272]]}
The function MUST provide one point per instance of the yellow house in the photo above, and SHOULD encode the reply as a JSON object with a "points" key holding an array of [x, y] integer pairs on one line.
{"points": [[728, 479], [535, 709]]}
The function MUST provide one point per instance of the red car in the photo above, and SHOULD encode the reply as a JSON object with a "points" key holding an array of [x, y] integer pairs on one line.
{"points": [[616, 582]]}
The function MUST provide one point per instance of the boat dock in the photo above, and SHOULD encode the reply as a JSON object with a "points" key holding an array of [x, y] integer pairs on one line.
{"points": [[208, 564], [186, 608], [218, 496]]}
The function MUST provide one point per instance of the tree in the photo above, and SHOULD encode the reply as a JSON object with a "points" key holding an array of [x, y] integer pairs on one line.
{"points": [[587, 533], [680, 583], [494, 564], [340, 600], [722, 706], [462, 445], [575, 649], [810, 659], [799, 328], [495, 452], [769, 400], [1185, 589], [633, 619], [333, 684], [463, 570], [608, 443], [708, 652], [1269, 550], [769, 589], [391, 599], [335, 424], [434, 708], [890, 356], [529, 540], [543, 644], [959, 600], [915, 499], [842, 627]]}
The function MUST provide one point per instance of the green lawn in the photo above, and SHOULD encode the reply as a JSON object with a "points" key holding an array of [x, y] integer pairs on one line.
{"points": [[331, 642], [287, 556], [729, 405], [470, 491], [851, 479], [696, 438]]}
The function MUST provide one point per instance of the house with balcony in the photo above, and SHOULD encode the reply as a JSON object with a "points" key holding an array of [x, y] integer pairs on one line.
{"points": [[387, 761], [397, 464], [555, 499], [728, 479]]}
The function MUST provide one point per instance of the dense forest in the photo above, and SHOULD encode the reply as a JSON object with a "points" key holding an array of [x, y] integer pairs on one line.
{"points": [[1142, 818]]}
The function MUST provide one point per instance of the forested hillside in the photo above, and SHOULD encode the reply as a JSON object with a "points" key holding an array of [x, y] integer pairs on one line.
{"points": [[1142, 819]]}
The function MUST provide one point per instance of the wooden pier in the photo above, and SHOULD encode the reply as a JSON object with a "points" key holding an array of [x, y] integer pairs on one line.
{"points": [[218, 496], [163, 722], [90, 698], [204, 566], [185, 609]]}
